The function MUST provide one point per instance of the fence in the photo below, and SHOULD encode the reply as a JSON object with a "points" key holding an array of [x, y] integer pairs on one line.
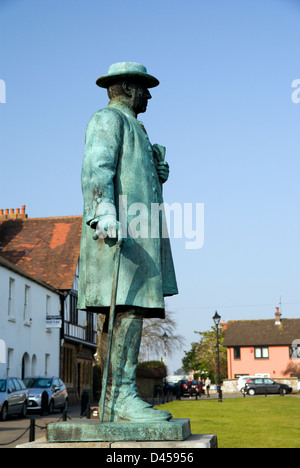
{"points": [[31, 429]]}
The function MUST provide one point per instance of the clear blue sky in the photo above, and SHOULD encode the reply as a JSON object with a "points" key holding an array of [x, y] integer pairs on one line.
{"points": [[223, 110]]}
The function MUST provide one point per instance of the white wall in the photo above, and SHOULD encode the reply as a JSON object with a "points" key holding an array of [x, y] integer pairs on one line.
{"points": [[23, 326]]}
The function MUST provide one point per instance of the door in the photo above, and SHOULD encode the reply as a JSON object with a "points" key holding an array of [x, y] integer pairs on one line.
{"points": [[272, 387], [12, 397], [259, 386], [57, 393], [19, 396]]}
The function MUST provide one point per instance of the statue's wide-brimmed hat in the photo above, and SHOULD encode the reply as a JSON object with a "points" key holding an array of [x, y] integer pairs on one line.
{"points": [[129, 70]]}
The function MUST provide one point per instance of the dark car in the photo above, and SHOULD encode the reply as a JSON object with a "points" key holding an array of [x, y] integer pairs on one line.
{"points": [[259, 386], [13, 397], [188, 387], [170, 388]]}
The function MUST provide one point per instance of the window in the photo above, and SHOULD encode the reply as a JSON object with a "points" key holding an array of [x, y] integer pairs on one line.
{"points": [[47, 360], [10, 360], [259, 381], [261, 352], [237, 352], [11, 386], [26, 316], [11, 298], [73, 309], [48, 305], [268, 381], [17, 384], [89, 329]]}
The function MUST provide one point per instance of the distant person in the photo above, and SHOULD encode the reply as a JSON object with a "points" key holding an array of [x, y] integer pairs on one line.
{"points": [[199, 387], [207, 386]]}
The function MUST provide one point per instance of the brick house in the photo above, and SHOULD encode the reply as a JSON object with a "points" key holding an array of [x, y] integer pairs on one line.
{"points": [[262, 346], [48, 249]]}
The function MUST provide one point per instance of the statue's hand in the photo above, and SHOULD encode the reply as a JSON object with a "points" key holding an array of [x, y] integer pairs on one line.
{"points": [[107, 227], [163, 170]]}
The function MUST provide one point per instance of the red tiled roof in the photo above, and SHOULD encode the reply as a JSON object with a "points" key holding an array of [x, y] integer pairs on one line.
{"points": [[45, 248], [10, 266]]}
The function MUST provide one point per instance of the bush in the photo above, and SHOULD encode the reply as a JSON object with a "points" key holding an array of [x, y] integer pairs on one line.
{"points": [[152, 370]]}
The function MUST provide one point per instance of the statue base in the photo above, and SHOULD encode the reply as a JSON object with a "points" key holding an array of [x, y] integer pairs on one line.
{"points": [[91, 430], [196, 441]]}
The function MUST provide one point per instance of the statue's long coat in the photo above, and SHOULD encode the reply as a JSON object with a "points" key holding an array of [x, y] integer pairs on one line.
{"points": [[119, 160]]}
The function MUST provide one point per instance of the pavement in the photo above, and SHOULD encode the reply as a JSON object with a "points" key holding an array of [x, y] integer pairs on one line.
{"points": [[15, 431]]}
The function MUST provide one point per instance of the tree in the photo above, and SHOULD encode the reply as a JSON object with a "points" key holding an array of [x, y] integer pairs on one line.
{"points": [[293, 369], [152, 338], [202, 357]]}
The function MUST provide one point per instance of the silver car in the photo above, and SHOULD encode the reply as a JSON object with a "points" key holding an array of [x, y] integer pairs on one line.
{"points": [[46, 394], [13, 397]]}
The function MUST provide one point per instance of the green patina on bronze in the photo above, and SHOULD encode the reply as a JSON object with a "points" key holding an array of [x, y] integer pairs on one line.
{"points": [[83, 430], [119, 161]]}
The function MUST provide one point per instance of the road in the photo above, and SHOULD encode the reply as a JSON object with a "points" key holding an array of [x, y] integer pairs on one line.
{"points": [[15, 427]]}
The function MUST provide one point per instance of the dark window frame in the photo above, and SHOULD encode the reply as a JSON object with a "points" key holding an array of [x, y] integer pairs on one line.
{"points": [[237, 353], [261, 348]]}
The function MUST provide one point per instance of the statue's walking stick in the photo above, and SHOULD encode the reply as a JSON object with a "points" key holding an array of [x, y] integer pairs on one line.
{"points": [[112, 312]]}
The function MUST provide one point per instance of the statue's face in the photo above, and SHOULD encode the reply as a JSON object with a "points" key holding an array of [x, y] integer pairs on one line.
{"points": [[134, 95], [140, 97]]}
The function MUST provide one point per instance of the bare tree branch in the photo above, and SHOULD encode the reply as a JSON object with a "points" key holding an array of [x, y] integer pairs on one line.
{"points": [[153, 341]]}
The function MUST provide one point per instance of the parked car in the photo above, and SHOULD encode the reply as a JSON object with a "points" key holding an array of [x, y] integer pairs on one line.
{"points": [[13, 397], [242, 380], [258, 386], [298, 386], [188, 387], [170, 388], [46, 393]]}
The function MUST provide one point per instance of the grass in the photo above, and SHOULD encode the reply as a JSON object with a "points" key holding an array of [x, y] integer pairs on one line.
{"points": [[259, 422]]}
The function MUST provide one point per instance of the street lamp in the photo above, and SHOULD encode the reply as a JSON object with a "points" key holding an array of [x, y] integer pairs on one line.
{"points": [[165, 338], [217, 320]]}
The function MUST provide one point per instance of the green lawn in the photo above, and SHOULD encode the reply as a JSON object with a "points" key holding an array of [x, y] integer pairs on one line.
{"points": [[258, 422]]}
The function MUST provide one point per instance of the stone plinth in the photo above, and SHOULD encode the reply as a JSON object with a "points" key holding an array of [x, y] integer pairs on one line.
{"points": [[195, 441], [91, 430]]}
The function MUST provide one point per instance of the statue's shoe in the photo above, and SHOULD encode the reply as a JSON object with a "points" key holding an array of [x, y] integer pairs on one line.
{"points": [[135, 410]]}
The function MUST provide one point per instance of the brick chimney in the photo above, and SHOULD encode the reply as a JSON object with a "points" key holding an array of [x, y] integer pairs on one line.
{"points": [[13, 213], [277, 317]]}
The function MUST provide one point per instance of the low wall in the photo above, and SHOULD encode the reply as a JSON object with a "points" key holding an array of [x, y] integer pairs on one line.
{"points": [[229, 385]]}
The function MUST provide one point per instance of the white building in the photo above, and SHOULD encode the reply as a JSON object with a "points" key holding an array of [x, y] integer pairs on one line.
{"points": [[46, 251], [27, 345]]}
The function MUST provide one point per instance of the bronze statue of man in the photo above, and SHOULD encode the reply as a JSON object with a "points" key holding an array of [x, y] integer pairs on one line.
{"points": [[122, 167]]}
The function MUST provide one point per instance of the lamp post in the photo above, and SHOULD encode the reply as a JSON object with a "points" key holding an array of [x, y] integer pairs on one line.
{"points": [[217, 320], [165, 338]]}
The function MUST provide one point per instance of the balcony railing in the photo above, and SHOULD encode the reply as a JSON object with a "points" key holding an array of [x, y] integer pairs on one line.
{"points": [[80, 333]]}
